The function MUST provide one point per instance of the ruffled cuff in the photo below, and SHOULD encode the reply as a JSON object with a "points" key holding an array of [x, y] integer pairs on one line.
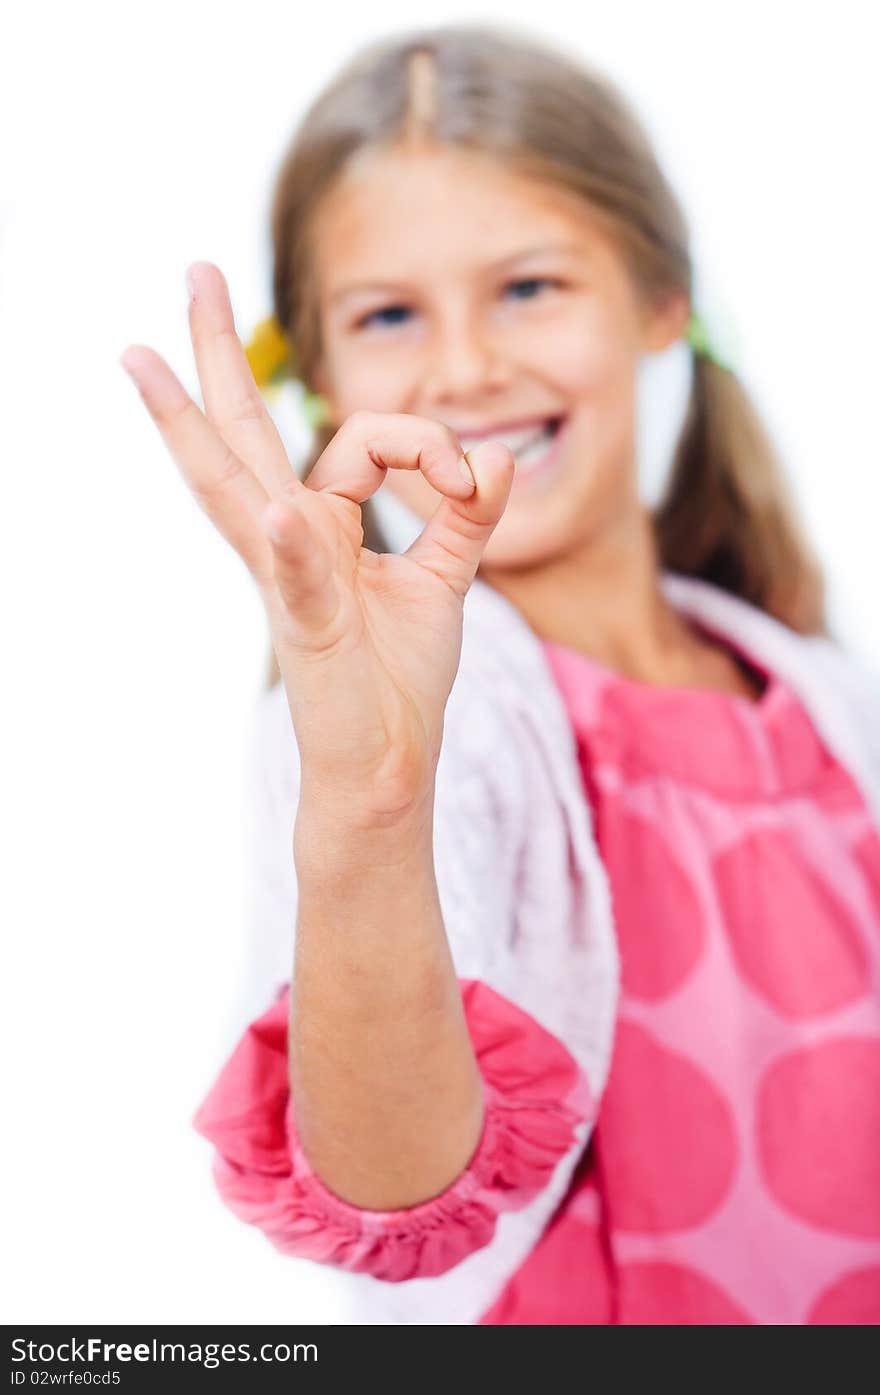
{"points": [[535, 1097]]}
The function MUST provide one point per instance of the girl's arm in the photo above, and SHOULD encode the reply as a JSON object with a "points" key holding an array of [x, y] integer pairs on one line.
{"points": [[389, 1100]]}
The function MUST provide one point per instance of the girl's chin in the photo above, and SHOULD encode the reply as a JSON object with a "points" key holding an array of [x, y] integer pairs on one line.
{"points": [[520, 542]]}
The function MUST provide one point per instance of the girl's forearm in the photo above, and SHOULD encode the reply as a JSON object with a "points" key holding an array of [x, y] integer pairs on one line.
{"points": [[386, 1089]]}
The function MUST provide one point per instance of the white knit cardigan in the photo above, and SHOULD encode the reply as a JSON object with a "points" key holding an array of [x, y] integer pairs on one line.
{"points": [[524, 894]]}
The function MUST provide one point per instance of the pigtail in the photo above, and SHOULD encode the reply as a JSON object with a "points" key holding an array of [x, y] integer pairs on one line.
{"points": [[728, 516]]}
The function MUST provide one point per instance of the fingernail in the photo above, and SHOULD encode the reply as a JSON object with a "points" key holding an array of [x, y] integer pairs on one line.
{"points": [[467, 474], [191, 282]]}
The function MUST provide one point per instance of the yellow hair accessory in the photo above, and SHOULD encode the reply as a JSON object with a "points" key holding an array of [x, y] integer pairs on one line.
{"points": [[269, 353], [272, 360]]}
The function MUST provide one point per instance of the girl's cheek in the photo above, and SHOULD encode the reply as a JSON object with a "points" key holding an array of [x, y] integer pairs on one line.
{"points": [[577, 369], [576, 354]]}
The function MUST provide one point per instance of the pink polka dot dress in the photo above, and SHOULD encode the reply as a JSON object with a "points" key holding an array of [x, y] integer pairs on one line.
{"points": [[733, 1175]]}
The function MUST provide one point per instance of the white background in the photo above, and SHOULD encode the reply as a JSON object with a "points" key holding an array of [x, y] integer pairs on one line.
{"points": [[138, 139]]}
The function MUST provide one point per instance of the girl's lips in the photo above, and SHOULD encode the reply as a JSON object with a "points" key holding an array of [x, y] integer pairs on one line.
{"points": [[525, 426]]}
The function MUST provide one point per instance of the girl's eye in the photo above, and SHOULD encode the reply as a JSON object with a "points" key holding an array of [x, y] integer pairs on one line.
{"points": [[397, 315], [527, 285], [389, 316]]}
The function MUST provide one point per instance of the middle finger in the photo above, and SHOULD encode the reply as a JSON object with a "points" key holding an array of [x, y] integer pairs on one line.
{"points": [[233, 401]]}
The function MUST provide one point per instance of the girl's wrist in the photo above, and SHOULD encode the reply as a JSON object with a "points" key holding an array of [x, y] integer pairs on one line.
{"points": [[339, 830]]}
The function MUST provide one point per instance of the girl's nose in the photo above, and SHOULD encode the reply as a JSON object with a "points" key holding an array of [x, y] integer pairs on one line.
{"points": [[464, 364]]}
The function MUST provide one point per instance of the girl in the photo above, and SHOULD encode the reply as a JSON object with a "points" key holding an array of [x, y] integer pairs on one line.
{"points": [[584, 1021]]}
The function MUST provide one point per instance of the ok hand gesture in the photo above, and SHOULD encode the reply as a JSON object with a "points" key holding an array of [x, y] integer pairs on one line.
{"points": [[368, 644]]}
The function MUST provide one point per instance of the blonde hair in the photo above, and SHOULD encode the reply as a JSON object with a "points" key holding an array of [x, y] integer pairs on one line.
{"points": [[728, 515]]}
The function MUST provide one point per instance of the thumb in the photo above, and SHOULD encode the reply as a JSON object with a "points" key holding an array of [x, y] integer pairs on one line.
{"points": [[452, 541]]}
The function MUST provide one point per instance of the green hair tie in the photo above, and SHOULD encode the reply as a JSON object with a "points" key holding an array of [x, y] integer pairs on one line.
{"points": [[697, 335], [315, 408]]}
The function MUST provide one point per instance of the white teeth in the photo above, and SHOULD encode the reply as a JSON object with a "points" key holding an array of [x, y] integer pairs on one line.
{"points": [[534, 453], [517, 442]]}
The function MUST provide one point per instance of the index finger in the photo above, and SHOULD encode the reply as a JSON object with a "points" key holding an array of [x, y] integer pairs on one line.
{"points": [[368, 444], [222, 484]]}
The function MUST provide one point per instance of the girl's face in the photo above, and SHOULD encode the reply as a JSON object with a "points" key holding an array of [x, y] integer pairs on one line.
{"points": [[452, 288]]}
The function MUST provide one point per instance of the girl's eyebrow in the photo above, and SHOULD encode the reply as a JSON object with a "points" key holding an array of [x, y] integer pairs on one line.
{"points": [[362, 287]]}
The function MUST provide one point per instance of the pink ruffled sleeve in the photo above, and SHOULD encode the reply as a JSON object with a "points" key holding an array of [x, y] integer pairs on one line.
{"points": [[535, 1097]]}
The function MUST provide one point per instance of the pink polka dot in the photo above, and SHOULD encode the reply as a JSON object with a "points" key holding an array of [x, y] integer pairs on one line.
{"points": [[688, 734], [665, 1135], [854, 1301], [537, 1294], [867, 854], [800, 758], [835, 791], [657, 915], [818, 1123], [657, 1292], [793, 939]]}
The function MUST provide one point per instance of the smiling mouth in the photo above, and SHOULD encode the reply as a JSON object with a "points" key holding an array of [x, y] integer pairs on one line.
{"points": [[529, 446]]}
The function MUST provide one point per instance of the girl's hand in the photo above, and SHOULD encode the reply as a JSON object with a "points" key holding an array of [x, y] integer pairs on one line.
{"points": [[368, 644]]}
